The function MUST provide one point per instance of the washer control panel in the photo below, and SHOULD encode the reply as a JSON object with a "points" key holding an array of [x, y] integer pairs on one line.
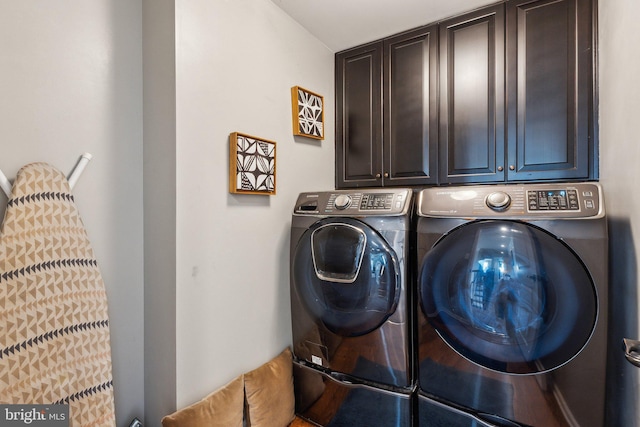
{"points": [[524, 201], [546, 200], [351, 203], [377, 202]]}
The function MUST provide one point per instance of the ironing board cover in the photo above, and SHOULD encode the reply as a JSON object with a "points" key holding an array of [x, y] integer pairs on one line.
{"points": [[54, 329]]}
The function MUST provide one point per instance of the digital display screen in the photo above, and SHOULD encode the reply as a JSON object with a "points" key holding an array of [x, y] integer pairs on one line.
{"points": [[560, 199], [376, 201]]}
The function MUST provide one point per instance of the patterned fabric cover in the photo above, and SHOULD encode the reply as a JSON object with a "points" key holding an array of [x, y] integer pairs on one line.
{"points": [[54, 328]]}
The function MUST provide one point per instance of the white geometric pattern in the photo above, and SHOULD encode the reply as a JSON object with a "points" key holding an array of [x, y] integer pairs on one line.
{"points": [[255, 165], [310, 114]]}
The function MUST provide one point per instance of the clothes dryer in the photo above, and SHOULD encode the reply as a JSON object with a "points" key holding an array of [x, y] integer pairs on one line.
{"points": [[512, 317], [351, 307]]}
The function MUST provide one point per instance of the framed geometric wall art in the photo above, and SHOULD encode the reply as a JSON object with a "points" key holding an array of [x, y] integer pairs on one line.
{"points": [[252, 165], [307, 112]]}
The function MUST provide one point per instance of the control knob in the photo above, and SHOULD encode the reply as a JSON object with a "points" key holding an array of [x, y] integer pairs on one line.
{"points": [[343, 201], [498, 201]]}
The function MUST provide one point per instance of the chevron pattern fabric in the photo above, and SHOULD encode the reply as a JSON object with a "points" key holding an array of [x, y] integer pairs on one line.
{"points": [[54, 326]]}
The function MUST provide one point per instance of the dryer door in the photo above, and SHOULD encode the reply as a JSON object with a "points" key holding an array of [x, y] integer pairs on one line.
{"points": [[508, 296], [346, 275]]}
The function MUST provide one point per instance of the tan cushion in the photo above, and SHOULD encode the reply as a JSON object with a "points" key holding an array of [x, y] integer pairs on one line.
{"points": [[222, 408], [269, 392]]}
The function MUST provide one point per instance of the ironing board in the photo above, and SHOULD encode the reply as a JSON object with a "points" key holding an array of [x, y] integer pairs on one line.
{"points": [[54, 327]]}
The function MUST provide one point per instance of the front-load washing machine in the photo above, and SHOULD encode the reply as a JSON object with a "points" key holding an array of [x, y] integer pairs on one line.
{"points": [[512, 305], [351, 307]]}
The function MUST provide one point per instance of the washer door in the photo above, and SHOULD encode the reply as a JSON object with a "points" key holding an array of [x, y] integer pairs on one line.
{"points": [[508, 296], [346, 275]]}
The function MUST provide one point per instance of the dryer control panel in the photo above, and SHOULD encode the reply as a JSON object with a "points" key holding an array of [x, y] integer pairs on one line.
{"points": [[354, 203], [518, 201]]}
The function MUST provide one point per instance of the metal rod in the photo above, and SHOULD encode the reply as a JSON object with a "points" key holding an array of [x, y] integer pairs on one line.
{"points": [[77, 171], [72, 179], [5, 184]]}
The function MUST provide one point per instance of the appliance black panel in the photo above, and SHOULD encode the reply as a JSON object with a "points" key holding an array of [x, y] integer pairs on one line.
{"points": [[351, 281], [508, 296], [351, 307], [512, 310], [332, 402]]}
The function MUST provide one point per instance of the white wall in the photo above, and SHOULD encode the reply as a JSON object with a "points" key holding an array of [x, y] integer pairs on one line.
{"points": [[619, 63], [71, 82], [236, 62]]}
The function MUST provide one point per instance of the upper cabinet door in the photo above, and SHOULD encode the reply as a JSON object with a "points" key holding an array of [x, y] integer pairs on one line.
{"points": [[472, 97], [359, 116], [504, 93], [410, 144], [549, 83]]}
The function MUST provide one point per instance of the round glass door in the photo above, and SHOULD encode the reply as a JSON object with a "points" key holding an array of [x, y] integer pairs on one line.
{"points": [[508, 296], [346, 275]]}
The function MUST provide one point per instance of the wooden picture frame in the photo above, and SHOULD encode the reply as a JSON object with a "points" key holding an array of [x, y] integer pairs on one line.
{"points": [[252, 165], [307, 110]]}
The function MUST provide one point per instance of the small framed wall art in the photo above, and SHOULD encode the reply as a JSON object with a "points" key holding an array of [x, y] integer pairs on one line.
{"points": [[308, 113], [252, 165]]}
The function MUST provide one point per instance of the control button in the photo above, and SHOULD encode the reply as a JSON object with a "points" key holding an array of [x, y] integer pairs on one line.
{"points": [[498, 201], [572, 198], [589, 204], [343, 201]]}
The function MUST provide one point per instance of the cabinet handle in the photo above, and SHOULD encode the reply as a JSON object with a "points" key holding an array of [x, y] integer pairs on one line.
{"points": [[386, 174], [378, 176], [512, 167], [500, 168]]}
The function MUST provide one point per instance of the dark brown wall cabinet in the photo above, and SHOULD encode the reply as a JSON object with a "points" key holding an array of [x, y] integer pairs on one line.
{"points": [[472, 96], [514, 100], [386, 121], [551, 110]]}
